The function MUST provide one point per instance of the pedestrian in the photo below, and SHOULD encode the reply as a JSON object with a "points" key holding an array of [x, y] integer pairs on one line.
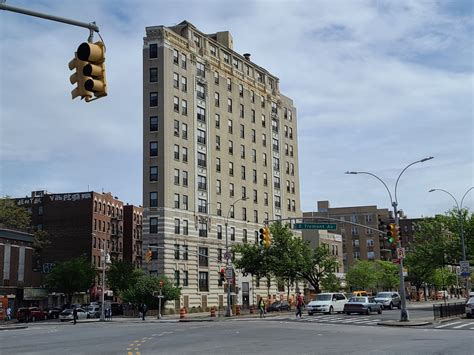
{"points": [[9, 313], [299, 306], [74, 315], [144, 309], [261, 307]]}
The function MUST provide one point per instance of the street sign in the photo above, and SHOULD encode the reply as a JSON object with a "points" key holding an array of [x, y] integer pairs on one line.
{"points": [[229, 273], [227, 255], [327, 226], [465, 268], [401, 253]]}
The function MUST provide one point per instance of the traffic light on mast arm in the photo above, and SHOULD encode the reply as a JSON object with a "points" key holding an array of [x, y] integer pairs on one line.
{"points": [[265, 237], [392, 233], [89, 62], [148, 255]]}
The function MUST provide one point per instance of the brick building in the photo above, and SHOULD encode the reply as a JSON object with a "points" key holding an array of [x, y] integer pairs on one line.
{"points": [[132, 234]]}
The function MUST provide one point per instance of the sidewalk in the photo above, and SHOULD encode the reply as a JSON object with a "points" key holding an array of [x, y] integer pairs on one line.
{"points": [[12, 324]]}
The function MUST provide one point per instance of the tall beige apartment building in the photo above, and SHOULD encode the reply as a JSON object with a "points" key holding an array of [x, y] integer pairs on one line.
{"points": [[216, 130], [358, 227]]}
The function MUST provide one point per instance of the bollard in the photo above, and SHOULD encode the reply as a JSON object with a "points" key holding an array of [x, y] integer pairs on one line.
{"points": [[237, 310], [182, 312], [213, 312]]}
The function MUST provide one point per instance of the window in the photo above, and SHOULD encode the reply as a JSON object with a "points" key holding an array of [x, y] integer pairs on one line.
{"points": [[176, 200], [231, 168], [176, 104], [277, 201], [183, 61], [203, 281], [254, 137], [176, 128], [264, 159], [241, 90], [185, 154], [255, 216], [291, 150], [200, 69], [244, 192], [242, 172], [231, 147], [229, 125], [184, 131], [242, 131], [153, 51], [264, 139], [292, 187], [201, 136], [175, 56], [153, 200], [265, 198], [244, 214], [219, 254], [229, 84], [276, 182], [276, 164], [368, 218], [219, 208], [200, 91], [184, 84], [216, 78], [292, 169], [176, 176], [153, 225], [176, 278], [185, 202], [293, 205], [153, 99], [185, 229], [216, 99], [176, 80], [153, 75], [176, 152], [290, 132], [203, 256], [218, 120], [244, 236], [185, 252], [252, 117], [241, 111], [275, 144], [218, 187], [232, 233], [226, 58], [229, 105], [264, 122], [201, 159], [287, 186], [370, 242], [254, 156], [202, 182], [201, 114], [153, 173], [184, 107], [265, 179], [219, 232], [185, 278], [242, 151], [218, 165], [153, 149], [231, 190], [370, 255], [153, 123], [231, 211], [197, 41], [177, 229], [255, 196], [202, 205], [262, 101], [202, 229]]}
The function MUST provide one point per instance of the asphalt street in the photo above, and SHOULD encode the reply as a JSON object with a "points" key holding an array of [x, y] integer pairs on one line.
{"points": [[266, 336]]}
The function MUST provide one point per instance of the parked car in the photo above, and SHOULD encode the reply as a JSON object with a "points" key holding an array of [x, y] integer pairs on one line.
{"points": [[327, 303], [53, 313], [470, 307], [362, 305], [30, 314], [389, 299], [93, 311], [278, 306], [67, 314]]}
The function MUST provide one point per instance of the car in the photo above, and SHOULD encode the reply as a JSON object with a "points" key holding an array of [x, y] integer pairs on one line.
{"points": [[327, 303], [362, 305], [93, 311], [389, 299], [278, 306], [67, 314], [469, 307], [53, 313], [31, 314]]}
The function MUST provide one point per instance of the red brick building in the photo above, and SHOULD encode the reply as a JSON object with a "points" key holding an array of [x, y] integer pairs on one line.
{"points": [[132, 234]]}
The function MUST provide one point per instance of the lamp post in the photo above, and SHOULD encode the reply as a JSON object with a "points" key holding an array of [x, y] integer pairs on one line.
{"points": [[461, 226], [394, 202], [227, 263]]}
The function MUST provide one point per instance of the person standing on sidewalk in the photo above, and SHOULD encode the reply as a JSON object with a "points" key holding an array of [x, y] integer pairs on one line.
{"points": [[9, 313], [74, 315], [261, 307], [299, 306], [144, 309]]}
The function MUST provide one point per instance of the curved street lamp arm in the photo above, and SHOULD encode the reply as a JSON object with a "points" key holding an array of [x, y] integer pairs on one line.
{"points": [[415, 162], [465, 195], [450, 194], [375, 176]]}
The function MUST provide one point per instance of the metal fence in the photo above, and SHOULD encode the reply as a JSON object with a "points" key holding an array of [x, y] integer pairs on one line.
{"points": [[448, 310]]}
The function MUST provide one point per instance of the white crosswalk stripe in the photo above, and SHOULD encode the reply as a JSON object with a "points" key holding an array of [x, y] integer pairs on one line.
{"points": [[330, 318], [446, 325], [462, 326]]}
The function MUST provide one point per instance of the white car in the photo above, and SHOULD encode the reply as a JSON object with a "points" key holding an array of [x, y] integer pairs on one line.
{"points": [[327, 303], [67, 314], [470, 307]]}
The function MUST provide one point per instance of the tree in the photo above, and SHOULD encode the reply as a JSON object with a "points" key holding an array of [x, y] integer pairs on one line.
{"points": [[142, 291], [13, 216], [387, 274], [316, 264], [71, 276], [331, 283], [442, 279], [362, 275], [122, 275]]}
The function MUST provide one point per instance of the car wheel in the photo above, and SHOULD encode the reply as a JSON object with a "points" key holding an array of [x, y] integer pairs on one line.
{"points": [[331, 310], [399, 306], [348, 313], [390, 306], [380, 310], [469, 315], [310, 314], [367, 311]]}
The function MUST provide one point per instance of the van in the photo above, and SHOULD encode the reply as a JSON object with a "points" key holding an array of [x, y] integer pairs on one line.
{"points": [[360, 293], [327, 303]]}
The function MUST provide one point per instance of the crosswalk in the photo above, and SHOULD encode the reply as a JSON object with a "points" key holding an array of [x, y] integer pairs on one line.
{"points": [[330, 318], [458, 324]]}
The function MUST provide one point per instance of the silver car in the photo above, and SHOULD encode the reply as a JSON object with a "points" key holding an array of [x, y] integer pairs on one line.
{"points": [[389, 299], [470, 307], [362, 305]]}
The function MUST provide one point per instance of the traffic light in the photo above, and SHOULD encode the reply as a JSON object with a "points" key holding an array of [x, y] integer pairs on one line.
{"points": [[391, 233], [89, 62], [261, 237], [265, 237], [148, 255], [222, 275]]}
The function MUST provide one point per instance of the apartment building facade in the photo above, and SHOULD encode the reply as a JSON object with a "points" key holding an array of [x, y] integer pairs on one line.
{"points": [[219, 158], [360, 241]]}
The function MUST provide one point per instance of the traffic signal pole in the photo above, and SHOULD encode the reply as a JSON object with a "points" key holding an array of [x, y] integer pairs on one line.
{"points": [[403, 311], [91, 26]]}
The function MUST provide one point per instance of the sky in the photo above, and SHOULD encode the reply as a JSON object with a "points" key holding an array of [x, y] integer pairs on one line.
{"points": [[377, 85]]}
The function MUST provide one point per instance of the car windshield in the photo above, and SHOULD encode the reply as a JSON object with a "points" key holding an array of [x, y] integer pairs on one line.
{"points": [[323, 297], [357, 299], [384, 294]]}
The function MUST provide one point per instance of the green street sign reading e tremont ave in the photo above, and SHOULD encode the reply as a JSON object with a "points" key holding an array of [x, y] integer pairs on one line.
{"points": [[328, 226]]}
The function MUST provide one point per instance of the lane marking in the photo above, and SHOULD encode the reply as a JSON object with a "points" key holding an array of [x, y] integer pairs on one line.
{"points": [[461, 326], [446, 325]]}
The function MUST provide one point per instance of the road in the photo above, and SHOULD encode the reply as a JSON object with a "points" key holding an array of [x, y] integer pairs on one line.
{"points": [[248, 336]]}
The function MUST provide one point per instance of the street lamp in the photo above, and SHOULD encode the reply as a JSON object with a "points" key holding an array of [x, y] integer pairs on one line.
{"points": [[394, 202], [228, 310], [461, 224]]}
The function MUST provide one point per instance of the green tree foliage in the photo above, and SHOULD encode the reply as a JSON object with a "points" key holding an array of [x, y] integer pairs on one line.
{"points": [[142, 291], [122, 275], [76, 275], [13, 216], [331, 283], [362, 276], [316, 265], [442, 279], [387, 275]]}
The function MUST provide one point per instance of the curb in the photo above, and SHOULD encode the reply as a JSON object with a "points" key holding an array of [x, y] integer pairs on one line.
{"points": [[403, 324], [13, 327], [189, 320]]}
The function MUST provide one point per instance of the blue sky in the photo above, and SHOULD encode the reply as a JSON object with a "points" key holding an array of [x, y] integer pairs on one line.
{"points": [[377, 85]]}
